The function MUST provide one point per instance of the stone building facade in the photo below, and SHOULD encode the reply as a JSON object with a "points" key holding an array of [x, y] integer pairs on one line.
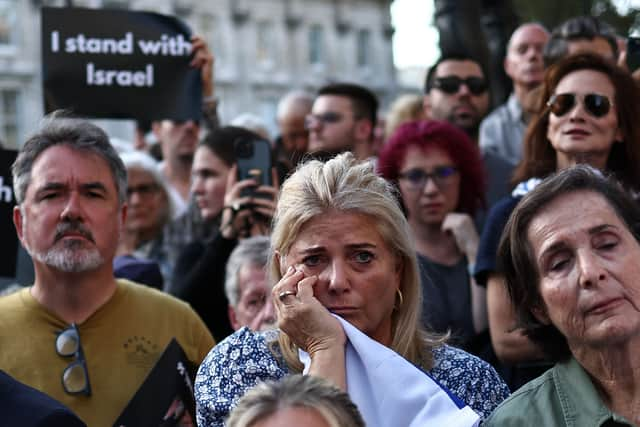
{"points": [[263, 48]]}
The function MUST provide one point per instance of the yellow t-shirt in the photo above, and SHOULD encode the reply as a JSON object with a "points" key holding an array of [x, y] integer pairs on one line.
{"points": [[121, 343]]}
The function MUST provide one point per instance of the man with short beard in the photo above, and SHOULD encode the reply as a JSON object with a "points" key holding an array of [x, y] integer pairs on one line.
{"points": [[78, 334], [457, 91]]}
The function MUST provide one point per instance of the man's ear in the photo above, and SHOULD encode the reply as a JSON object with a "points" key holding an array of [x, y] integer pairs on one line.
{"points": [[363, 130], [18, 223]]}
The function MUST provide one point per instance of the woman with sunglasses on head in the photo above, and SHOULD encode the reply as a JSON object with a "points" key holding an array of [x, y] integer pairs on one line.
{"points": [[586, 115], [439, 173]]}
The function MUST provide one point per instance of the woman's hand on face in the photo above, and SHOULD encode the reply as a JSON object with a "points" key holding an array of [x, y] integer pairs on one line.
{"points": [[303, 318], [463, 229]]}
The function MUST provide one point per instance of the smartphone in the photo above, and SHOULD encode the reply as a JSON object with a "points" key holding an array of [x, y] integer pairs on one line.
{"points": [[253, 157], [633, 53]]}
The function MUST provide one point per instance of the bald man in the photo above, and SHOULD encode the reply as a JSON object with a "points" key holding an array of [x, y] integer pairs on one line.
{"points": [[294, 137], [502, 131]]}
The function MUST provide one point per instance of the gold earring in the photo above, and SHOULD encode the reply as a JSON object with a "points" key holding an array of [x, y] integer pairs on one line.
{"points": [[400, 297]]}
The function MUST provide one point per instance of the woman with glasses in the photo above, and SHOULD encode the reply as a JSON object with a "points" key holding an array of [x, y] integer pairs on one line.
{"points": [[439, 173], [587, 112], [151, 206]]}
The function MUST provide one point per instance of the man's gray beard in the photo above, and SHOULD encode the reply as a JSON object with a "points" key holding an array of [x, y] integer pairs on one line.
{"points": [[70, 258]]}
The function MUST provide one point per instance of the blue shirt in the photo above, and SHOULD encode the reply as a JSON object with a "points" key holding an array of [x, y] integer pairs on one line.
{"points": [[245, 358]]}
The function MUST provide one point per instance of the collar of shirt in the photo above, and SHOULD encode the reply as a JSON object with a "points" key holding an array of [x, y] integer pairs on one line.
{"points": [[579, 398]]}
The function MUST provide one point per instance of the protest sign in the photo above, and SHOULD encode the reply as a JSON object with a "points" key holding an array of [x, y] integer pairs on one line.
{"points": [[118, 64], [166, 396], [9, 242]]}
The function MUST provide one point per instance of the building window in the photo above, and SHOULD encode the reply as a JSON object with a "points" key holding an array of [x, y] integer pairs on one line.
{"points": [[211, 28], [8, 30], [9, 117], [264, 43], [363, 48], [316, 53]]}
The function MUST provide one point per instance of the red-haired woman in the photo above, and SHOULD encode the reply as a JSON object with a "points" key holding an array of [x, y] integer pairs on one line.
{"points": [[439, 173]]}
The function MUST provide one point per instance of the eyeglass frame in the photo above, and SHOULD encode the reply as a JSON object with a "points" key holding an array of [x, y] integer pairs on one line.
{"points": [[78, 359], [329, 117], [437, 84], [441, 182], [581, 97]]}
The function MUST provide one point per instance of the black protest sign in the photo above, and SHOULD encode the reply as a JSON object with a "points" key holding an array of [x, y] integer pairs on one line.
{"points": [[118, 64], [9, 242]]}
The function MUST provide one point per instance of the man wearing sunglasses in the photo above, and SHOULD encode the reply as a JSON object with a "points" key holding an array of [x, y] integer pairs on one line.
{"points": [[457, 91], [502, 131], [343, 118], [78, 334]]}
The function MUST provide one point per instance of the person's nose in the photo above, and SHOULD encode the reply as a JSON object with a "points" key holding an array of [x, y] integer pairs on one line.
{"points": [[268, 315], [134, 198], [197, 186], [312, 124], [577, 112], [430, 188], [73, 209], [337, 276], [590, 270], [463, 90]]}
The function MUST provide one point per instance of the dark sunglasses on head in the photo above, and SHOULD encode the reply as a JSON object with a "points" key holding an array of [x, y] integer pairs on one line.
{"points": [[75, 377], [451, 84], [595, 104]]}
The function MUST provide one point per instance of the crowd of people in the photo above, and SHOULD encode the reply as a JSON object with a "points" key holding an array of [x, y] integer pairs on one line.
{"points": [[452, 266]]}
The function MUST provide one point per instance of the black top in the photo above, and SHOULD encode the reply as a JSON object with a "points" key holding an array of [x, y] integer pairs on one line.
{"points": [[486, 260], [199, 280], [24, 406], [446, 302]]}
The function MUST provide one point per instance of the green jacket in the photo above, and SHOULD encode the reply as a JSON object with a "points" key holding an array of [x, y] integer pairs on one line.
{"points": [[562, 396]]}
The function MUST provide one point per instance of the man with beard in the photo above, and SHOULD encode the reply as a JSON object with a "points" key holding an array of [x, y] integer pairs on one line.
{"points": [[502, 131], [78, 334], [343, 118], [457, 91]]}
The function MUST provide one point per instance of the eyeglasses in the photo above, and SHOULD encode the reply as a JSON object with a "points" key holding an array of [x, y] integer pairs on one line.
{"points": [[143, 190], [75, 377], [417, 178], [451, 84], [595, 104], [325, 118]]}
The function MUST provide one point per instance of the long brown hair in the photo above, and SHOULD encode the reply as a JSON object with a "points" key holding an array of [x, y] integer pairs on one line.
{"points": [[539, 158]]}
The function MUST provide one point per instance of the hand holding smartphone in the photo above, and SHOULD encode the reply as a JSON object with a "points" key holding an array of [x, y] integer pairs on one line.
{"points": [[253, 157]]}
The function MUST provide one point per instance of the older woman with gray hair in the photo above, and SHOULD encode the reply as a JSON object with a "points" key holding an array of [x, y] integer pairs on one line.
{"points": [[150, 208], [571, 258], [342, 252], [246, 285]]}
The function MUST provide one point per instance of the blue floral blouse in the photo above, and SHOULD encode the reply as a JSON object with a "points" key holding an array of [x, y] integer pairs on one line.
{"points": [[245, 358]]}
